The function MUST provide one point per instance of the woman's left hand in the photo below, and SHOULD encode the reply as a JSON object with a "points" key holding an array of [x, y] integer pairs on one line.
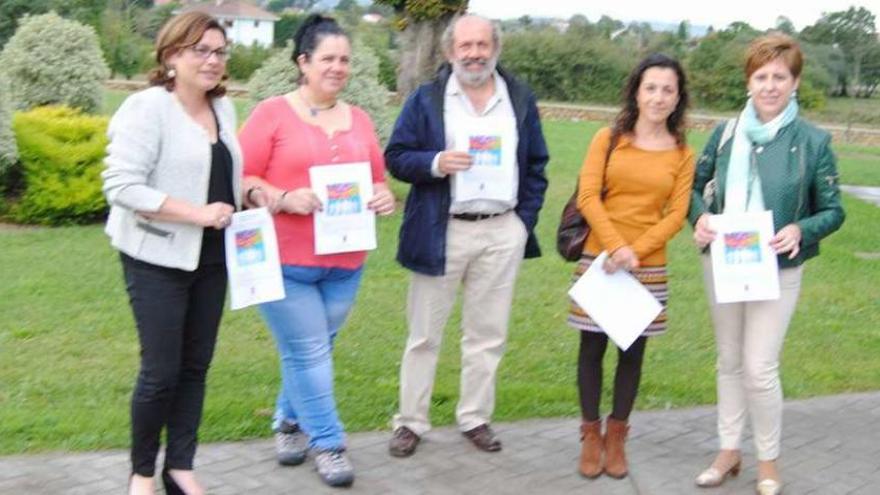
{"points": [[788, 239], [382, 201], [622, 258]]}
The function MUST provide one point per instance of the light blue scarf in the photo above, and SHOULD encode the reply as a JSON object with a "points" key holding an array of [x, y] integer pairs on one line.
{"points": [[742, 192]]}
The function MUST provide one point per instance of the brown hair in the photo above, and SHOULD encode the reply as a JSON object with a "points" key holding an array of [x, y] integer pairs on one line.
{"points": [[770, 47], [625, 122], [182, 31]]}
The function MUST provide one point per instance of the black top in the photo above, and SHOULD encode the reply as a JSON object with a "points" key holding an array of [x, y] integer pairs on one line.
{"points": [[219, 189]]}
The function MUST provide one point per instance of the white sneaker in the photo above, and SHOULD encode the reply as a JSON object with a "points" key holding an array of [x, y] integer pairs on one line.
{"points": [[291, 444], [334, 468]]}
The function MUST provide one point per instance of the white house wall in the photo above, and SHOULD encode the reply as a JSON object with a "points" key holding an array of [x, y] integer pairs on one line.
{"points": [[249, 31]]}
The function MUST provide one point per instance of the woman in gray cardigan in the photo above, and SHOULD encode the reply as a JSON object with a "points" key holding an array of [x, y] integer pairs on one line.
{"points": [[172, 180]]}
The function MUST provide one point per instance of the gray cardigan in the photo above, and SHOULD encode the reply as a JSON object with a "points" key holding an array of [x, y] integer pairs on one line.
{"points": [[157, 150]]}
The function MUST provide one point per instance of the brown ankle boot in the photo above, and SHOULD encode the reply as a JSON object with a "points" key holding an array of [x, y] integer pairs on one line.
{"points": [[615, 455], [591, 448]]}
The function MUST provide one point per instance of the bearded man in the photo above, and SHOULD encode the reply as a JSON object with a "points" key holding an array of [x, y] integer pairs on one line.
{"points": [[471, 146]]}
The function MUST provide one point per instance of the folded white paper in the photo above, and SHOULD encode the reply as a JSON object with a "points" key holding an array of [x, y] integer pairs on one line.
{"points": [[252, 260], [345, 224], [492, 144], [744, 266], [617, 302]]}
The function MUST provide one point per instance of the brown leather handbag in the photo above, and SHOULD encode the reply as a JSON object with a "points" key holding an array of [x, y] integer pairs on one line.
{"points": [[573, 227]]}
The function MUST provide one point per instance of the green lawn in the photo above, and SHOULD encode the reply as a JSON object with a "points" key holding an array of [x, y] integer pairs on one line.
{"points": [[69, 352]]}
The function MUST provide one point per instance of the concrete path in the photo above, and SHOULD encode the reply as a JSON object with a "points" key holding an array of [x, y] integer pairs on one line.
{"points": [[865, 193], [831, 445]]}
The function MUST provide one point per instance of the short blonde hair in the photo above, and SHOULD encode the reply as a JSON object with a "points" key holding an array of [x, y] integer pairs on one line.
{"points": [[770, 47], [182, 31]]}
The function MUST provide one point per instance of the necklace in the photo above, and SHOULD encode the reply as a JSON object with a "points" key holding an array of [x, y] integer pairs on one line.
{"points": [[313, 110]]}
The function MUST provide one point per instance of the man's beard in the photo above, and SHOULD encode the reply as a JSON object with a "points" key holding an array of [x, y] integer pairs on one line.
{"points": [[471, 78]]}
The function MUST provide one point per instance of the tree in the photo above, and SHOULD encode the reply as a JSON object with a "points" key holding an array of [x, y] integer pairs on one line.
{"points": [[148, 23], [286, 27], [13, 10], [568, 67], [124, 49], [421, 24], [608, 26], [280, 5], [854, 31], [871, 71], [784, 25], [684, 31], [54, 60]]}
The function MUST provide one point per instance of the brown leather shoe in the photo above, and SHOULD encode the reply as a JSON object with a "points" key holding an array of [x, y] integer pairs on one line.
{"points": [[483, 438], [615, 453], [403, 442], [591, 449]]}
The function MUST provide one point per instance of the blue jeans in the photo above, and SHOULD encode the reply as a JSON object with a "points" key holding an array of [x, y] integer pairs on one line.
{"points": [[305, 324]]}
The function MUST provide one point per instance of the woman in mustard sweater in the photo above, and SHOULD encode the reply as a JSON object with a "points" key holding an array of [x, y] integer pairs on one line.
{"points": [[634, 191]]}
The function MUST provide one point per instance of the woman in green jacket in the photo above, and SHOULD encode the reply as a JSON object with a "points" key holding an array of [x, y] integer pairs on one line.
{"points": [[767, 159]]}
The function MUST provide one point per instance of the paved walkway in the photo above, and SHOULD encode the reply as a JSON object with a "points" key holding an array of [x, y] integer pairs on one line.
{"points": [[831, 445], [865, 193]]}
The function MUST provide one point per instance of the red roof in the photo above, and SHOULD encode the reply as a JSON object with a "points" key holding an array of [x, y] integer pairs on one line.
{"points": [[232, 9]]}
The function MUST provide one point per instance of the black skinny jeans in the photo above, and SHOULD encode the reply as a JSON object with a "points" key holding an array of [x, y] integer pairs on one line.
{"points": [[626, 377], [177, 314]]}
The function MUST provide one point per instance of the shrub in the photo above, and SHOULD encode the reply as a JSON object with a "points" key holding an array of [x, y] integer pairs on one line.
{"points": [[51, 60], [717, 79], [244, 60], [8, 148], [278, 75], [567, 67], [61, 152]]}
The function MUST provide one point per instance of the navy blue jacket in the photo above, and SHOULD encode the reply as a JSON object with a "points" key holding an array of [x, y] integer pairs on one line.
{"points": [[419, 134]]}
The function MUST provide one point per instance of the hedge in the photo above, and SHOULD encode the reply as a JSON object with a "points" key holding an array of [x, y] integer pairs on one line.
{"points": [[61, 152]]}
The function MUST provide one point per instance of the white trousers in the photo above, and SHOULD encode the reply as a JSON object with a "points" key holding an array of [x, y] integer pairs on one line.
{"points": [[749, 338], [483, 257]]}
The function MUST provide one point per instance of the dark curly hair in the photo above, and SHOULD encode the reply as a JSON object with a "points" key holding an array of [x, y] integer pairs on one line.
{"points": [[625, 122], [310, 34]]}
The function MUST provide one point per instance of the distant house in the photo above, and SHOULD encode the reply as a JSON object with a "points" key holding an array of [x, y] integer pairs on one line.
{"points": [[372, 18], [245, 23]]}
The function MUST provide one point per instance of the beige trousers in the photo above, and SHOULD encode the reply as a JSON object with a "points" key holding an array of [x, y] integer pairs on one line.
{"points": [[483, 257], [749, 338]]}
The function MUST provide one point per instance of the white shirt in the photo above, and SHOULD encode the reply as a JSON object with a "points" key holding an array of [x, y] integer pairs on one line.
{"points": [[458, 107]]}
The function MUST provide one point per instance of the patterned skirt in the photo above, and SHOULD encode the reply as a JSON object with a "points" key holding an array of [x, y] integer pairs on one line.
{"points": [[654, 278]]}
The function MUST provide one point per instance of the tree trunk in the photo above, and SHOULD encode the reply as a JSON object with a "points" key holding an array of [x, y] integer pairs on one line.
{"points": [[421, 53]]}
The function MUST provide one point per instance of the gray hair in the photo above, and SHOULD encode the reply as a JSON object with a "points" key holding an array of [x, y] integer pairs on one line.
{"points": [[446, 41]]}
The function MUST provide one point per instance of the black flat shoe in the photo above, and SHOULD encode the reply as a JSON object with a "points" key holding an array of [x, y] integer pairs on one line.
{"points": [[171, 487]]}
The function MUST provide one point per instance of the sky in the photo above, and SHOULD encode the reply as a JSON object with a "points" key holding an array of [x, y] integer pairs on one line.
{"points": [[716, 13]]}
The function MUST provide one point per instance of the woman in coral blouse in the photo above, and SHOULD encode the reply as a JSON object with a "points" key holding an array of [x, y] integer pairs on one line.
{"points": [[634, 191], [282, 139]]}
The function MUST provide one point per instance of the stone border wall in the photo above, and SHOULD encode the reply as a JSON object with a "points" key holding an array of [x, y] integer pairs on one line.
{"points": [[562, 111]]}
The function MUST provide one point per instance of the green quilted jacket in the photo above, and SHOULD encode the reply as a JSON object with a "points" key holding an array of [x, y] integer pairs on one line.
{"points": [[799, 181]]}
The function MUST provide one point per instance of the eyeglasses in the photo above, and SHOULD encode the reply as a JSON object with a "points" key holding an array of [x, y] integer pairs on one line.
{"points": [[205, 52]]}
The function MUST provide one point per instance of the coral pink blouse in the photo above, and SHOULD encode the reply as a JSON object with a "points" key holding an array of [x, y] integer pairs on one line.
{"points": [[279, 147]]}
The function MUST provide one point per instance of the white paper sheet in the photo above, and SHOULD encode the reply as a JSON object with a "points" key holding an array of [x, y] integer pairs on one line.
{"points": [[618, 303], [744, 266], [492, 144], [252, 260], [345, 224]]}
